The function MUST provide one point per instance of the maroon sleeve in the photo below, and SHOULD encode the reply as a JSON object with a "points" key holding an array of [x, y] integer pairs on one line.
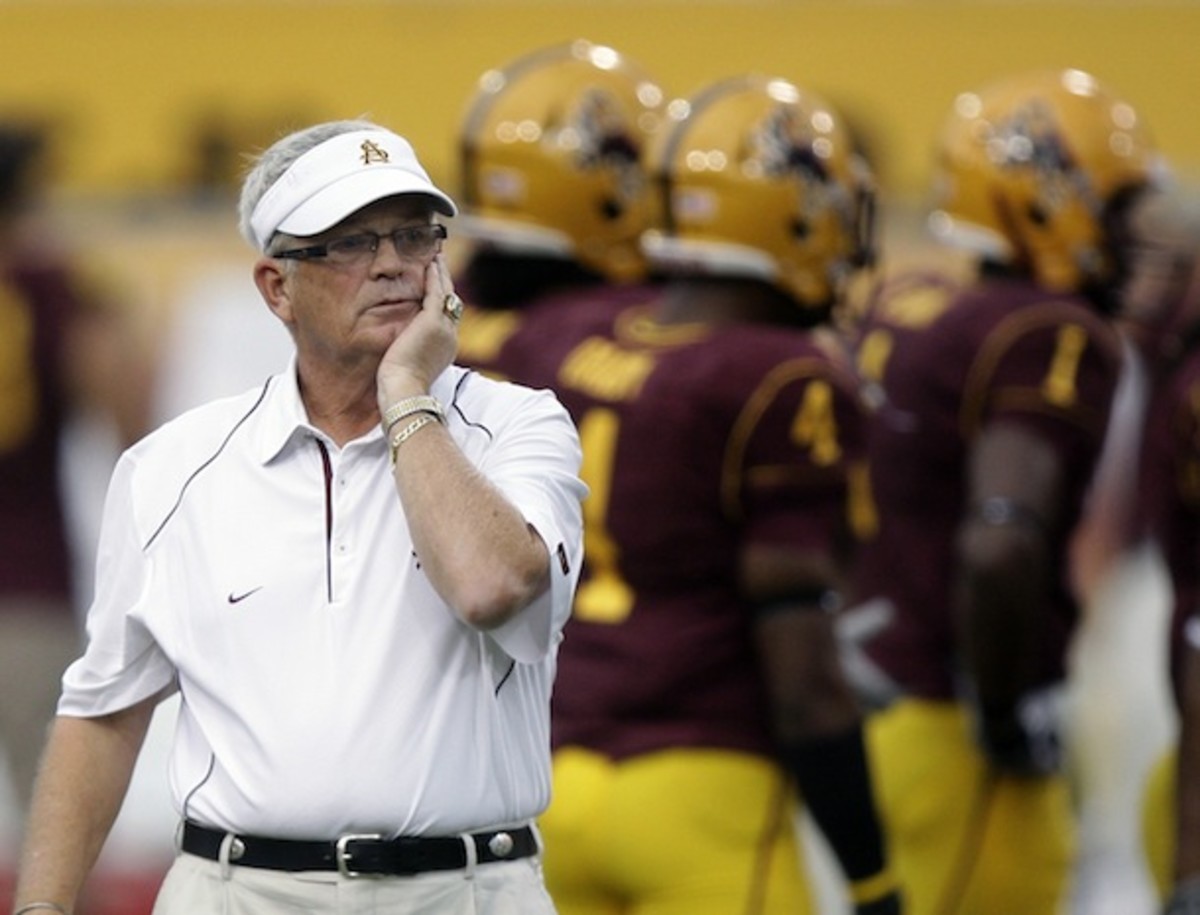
{"points": [[790, 450], [1053, 367]]}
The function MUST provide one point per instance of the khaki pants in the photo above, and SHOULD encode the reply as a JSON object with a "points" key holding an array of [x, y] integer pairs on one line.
{"points": [[196, 886]]}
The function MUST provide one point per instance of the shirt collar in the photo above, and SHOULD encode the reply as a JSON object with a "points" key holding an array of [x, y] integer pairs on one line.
{"points": [[285, 420]]}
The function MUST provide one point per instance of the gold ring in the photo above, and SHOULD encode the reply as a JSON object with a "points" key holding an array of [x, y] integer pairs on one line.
{"points": [[452, 305]]}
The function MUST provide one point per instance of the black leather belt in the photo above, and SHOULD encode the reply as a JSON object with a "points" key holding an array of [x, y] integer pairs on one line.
{"points": [[355, 855]]}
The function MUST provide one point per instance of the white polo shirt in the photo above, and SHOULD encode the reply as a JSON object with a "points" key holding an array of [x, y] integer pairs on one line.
{"points": [[326, 688]]}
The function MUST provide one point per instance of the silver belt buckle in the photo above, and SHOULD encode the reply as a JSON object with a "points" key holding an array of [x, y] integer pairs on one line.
{"points": [[342, 856]]}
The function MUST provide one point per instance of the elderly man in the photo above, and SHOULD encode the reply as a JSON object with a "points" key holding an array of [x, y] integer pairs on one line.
{"points": [[355, 576]]}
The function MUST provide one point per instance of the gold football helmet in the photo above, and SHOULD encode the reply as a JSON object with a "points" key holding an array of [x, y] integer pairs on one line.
{"points": [[552, 157], [1028, 169], [761, 179]]}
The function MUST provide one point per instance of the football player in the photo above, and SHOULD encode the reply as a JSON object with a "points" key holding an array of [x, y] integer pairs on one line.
{"points": [[699, 683], [996, 393]]}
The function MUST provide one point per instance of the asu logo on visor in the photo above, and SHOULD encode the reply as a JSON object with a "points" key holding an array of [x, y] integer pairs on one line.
{"points": [[373, 152]]}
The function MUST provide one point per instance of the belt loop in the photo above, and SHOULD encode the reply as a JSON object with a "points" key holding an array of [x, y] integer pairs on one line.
{"points": [[468, 842], [228, 851]]}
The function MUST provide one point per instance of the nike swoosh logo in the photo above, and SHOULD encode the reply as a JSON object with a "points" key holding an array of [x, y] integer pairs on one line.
{"points": [[237, 598]]}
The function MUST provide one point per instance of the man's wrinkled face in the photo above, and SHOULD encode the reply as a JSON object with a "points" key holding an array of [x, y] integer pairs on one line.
{"points": [[342, 309]]}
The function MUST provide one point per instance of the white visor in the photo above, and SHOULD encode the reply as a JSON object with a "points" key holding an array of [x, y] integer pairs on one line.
{"points": [[340, 177]]}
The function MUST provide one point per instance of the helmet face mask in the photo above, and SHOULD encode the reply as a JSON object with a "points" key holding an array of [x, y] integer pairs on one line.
{"points": [[552, 151], [1028, 169], [760, 179]]}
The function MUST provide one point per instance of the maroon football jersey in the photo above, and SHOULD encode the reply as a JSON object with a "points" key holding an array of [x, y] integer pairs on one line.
{"points": [[508, 343], [1169, 489], [35, 304], [697, 440], [953, 361]]}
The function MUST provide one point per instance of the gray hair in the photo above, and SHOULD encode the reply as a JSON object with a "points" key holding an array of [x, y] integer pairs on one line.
{"points": [[278, 158]]}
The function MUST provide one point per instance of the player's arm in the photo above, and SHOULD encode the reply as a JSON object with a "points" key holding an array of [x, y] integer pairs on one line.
{"points": [[817, 723], [84, 775], [1004, 550], [795, 518], [794, 580], [792, 567]]}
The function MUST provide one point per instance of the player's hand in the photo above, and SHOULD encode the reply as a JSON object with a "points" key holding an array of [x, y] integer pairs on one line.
{"points": [[1027, 739], [884, 905], [1186, 898]]}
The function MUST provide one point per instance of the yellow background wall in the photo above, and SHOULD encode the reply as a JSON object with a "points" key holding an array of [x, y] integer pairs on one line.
{"points": [[127, 83]]}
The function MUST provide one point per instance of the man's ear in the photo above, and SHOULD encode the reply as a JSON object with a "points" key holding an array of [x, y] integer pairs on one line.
{"points": [[271, 279]]}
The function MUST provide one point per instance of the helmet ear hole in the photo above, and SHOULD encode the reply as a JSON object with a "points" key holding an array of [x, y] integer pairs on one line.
{"points": [[611, 209], [1037, 215], [800, 229]]}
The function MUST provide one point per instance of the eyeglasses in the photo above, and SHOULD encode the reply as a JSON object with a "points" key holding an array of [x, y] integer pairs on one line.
{"points": [[410, 241]]}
